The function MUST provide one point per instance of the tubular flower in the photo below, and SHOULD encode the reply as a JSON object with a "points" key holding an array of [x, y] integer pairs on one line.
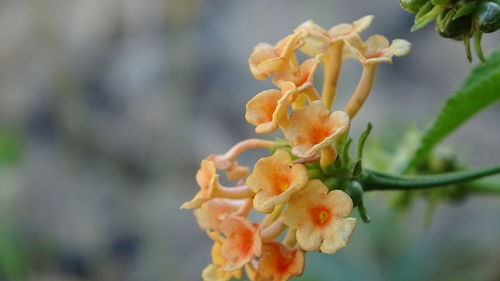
{"points": [[213, 212], [268, 109], [279, 263], [267, 60], [376, 49], [312, 128], [242, 242], [317, 39], [208, 180], [274, 179], [215, 271], [319, 218]]}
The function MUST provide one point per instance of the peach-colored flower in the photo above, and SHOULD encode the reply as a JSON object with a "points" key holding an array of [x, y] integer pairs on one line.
{"points": [[213, 212], [319, 218], [377, 49], [215, 271], [317, 39], [305, 74], [275, 179], [279, 263], [208, 180], [312, 128], [268, 109], [242, 242], [267, 60]]}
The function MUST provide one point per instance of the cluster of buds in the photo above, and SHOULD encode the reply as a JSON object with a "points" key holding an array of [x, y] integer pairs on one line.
{"points": [[457, 19], [300, 186]]}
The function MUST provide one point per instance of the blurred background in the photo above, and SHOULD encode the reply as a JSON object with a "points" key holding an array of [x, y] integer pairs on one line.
{"points": [[107, 107]]}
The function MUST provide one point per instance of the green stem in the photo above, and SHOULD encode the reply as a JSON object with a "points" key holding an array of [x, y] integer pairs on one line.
{"points": [[372, 180], [486, 186]]}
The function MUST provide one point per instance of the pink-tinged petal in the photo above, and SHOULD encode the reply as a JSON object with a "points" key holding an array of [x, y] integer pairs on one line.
{"points": [[242, 242], [279, 263]]}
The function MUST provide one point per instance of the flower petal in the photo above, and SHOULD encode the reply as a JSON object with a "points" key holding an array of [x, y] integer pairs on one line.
{"points": [[338, 235]]}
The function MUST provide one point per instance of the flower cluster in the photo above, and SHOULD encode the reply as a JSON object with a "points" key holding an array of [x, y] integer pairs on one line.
{"points": [[313, 215]]}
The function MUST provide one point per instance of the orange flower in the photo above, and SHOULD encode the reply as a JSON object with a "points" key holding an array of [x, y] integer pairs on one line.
{"points": [[317, 39], [269, 109], [212, 213], [242, 242], [376, 49], [312, 128], [208, 180], [279, 263], [275, 179], [319, 218], [267, 60], [215, 271], [305, 74]]}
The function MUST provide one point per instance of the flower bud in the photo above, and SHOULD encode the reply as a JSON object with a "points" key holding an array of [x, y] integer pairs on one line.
{"points": [[487, 16]]}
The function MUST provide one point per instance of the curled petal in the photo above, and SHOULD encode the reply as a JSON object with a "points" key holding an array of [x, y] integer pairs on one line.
{"points": [[376, 49], [268, 109], [267, 60], [338, 236], [315, 38], [208, 181]]}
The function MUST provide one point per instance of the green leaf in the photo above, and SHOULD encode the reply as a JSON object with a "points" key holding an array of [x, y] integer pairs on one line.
{"points": [[481, 89]]}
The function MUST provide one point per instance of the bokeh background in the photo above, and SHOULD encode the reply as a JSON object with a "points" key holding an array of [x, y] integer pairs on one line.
{"points": [[107, 107]]}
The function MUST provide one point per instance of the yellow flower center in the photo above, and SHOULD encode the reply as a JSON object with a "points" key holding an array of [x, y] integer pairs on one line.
{"points": [[321, 216]]}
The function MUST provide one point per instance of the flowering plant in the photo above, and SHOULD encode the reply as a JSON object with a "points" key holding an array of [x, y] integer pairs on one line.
{"points": [[309, 184]]}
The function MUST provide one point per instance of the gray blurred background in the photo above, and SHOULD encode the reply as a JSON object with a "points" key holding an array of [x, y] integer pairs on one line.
{"points": [[107, 107]]}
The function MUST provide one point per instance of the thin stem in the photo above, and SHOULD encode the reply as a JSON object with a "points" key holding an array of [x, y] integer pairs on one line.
{"points": [[362, 91], [332, 61], [273, 231], [226, 160], [237, 192], [272, 217], [372, 180]]}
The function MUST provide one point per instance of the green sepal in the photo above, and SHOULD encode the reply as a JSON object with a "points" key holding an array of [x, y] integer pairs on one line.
{"points": [[465, 9], [477, 46], [412, 6], [455, 29], [345, 157], [358, 169], [355, 190], [427, 7], [362, 140], [427, 18]]}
